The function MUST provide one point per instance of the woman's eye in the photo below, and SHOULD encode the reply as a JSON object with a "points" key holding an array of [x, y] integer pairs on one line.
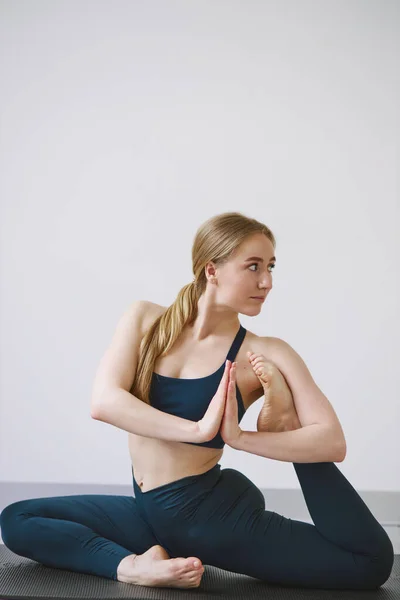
{"points": [[256, 264]]}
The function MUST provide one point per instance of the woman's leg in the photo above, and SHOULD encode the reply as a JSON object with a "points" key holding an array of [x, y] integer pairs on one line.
{"points": [[84, 533], [345, 549], [341, 516]]}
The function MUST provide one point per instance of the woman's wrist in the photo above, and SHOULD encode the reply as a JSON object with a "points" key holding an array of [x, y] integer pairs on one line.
{"points": [[193, 432]]}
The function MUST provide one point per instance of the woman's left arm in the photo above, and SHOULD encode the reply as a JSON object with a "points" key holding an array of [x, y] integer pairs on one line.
{"points": [[309, 444]]}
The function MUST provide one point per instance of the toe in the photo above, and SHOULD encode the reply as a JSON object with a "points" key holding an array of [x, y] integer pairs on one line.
{"points": [[183, 565], [195, 561], [190, 566]]}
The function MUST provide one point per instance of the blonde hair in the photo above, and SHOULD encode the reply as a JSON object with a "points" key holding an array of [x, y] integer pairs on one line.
{"points": [[215, 240]]}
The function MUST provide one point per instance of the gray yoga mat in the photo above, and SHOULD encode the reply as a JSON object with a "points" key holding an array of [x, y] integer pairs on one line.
{"points": [[24, 578]]}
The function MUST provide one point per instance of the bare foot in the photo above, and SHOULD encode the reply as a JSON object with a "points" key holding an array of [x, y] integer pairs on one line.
{"points": [[278, 412], [156, 569]]}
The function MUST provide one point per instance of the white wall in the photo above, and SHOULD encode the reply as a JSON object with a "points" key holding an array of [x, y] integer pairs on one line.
{"points": [[125, 125]]}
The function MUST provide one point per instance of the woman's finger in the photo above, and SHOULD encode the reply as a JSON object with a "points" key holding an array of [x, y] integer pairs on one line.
{"points": [[232, 376], [225, 376]]}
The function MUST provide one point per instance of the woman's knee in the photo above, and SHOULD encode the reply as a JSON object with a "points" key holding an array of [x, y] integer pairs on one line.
{"points": [[378, 565], [10, 518], [382, 561]]}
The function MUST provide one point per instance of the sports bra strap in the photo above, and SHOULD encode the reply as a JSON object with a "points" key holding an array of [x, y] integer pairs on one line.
{"points": [[237, 342]]}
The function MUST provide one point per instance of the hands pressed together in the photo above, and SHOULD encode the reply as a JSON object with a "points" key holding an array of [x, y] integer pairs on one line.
{"points": [[230, 430], [222, 413]]}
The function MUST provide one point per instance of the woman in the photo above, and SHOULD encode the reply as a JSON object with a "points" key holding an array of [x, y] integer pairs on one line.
{"points": [[154, 381]]}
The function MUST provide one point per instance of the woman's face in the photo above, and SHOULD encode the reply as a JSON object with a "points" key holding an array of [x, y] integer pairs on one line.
{"points": [[247, 274]]}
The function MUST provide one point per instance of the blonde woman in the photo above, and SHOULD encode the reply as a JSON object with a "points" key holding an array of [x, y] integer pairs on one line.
{"points": [[178, 379]]}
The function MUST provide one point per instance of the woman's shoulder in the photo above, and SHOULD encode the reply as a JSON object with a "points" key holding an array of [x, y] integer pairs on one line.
{"points": [[152, 308], [261, 344], [150, 312]]}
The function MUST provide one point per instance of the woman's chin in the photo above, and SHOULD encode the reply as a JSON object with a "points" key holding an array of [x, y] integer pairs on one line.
{"points": [[252, 310]]}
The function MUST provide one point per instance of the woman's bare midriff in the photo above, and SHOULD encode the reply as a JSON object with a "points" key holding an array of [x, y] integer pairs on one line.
{"points": [[157, 462]]}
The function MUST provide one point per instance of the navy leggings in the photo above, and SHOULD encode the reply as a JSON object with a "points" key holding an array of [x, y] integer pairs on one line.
{"points": [[218, 516]]}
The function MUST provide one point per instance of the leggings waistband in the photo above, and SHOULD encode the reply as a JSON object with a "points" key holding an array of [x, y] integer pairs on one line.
{"points": [[208, 478]]}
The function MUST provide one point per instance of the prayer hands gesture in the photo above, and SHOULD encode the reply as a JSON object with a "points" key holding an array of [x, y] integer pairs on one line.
{"points": [[222, 413]]}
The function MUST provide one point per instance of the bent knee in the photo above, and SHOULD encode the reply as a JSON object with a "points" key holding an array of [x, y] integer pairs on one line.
{"points": [[10, 519], [380, 564]]}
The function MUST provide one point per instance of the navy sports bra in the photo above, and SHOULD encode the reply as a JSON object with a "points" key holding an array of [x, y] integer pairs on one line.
{"points": [[189, 398]]}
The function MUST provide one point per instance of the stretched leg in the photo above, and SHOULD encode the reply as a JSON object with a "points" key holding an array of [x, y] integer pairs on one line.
{"points": [[341, 517], [83, 533], [345, 549]]}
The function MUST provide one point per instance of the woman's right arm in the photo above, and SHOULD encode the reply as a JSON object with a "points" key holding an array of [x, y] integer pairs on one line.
{"points": [[125, 411], [111, 400]]}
